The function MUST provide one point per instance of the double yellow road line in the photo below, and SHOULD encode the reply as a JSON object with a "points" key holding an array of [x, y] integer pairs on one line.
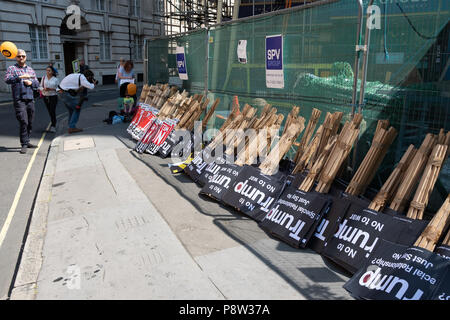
{"points": [[19, 191]]}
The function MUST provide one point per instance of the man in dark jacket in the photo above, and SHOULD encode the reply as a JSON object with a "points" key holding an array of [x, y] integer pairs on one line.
{"points": [[23, 81]]}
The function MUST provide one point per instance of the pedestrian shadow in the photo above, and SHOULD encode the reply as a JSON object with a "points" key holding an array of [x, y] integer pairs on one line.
{"points": [[6, 149]]}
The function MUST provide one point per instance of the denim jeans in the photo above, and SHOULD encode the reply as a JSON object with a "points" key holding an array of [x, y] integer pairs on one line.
{"points": [[24, 114], [71, 102]]}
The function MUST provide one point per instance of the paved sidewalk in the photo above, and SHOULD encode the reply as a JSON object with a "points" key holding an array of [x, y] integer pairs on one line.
{"points": [[111, 224]]}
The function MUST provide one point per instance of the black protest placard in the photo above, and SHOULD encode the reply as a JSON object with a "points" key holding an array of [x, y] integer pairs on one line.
{"points": [[286, 166], [210, 170], [195, 167], [254, 193], [359, 233], [329, 224], [443, 251], [398, 272], [200, 162], [295, 180], [443, 290], [185, 143], [222, 181], [167, 146], [295, 215]]}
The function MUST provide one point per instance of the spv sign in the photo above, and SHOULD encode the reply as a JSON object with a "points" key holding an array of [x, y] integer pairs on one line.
{"points": [[181, 63], [274, 62]]}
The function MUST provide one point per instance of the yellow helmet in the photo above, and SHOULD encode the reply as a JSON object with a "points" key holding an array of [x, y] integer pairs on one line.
{"points": [[131, 89], [8, 49]]}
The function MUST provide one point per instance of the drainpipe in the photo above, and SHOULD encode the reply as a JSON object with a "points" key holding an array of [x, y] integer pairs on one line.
{"points": [[364, 66], [365, 48], [358, 49], [219, 11]]}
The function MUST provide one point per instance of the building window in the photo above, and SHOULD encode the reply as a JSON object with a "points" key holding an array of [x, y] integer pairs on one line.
{"points": [[136, 48], [135, 7], [105, 46], [100, 5], [39, 49], [158, 6]]}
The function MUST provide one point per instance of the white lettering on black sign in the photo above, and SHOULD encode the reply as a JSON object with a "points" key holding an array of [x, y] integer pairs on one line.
{"points": [[399, 272], [295, 216], [254, 193]]}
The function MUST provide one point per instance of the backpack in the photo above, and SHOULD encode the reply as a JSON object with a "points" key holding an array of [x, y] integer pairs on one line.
{"points": [[111, 115]]}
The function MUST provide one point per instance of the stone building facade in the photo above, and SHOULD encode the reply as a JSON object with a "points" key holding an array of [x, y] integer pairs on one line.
{"points": [[61, 31]]}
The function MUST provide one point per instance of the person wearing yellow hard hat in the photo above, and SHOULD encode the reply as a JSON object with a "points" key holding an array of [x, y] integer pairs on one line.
{"points": [[24, 86]]}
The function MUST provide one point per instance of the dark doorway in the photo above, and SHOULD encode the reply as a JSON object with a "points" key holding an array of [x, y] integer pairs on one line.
{"points": [[69, 56]]}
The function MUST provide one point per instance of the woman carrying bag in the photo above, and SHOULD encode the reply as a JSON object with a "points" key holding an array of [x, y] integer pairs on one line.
{"points": [[49, 84]]}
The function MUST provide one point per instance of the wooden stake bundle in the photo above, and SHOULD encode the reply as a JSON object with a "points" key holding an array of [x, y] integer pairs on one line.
{"points": [[196, 115], [255, 124], [317, 167], [237, 135], [270, 164], [309, 151], [426, 184], [144, 93], [339, 153], [435, 228], [272, 133], [150, 94], [315, 115], [382, 139], [446, 240], [256, 120], [386, 192], [291, 117], [187, 115], [209, 114], [221, 136], [447, 142], [413, 173], [171, 106], [257, 141]]}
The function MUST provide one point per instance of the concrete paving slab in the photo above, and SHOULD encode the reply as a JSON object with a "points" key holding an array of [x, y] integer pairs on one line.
{"points": [[80, 143], [239, 274]]}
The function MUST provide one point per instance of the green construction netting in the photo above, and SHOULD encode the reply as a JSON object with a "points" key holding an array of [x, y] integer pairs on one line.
{"points": [[408, 75]]}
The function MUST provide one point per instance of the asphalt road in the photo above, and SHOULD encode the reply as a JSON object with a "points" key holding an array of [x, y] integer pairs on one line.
{"points": [[19, 182]]}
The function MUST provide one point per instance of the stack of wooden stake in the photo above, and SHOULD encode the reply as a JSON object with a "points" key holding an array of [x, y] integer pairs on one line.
{"points": [[435, 228], [339, 153], [429, 178], [270, 163], [256, 142], [381, 142], [413, 173], [319, 150], [386, 192], [315, 115]]}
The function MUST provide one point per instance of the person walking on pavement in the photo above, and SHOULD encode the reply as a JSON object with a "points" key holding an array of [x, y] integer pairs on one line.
{"points": [[23, 81], [125, 76], [121, 63], [51, 64], [72, 95], [49, 84], [83, 68]]}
